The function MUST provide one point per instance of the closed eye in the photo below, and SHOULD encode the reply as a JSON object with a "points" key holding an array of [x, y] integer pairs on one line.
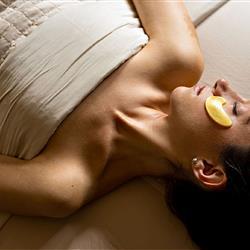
{"points": [[235, 108]]}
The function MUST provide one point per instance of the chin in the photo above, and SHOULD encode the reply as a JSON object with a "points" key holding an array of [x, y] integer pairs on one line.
{"points": [[180, 98], [181, 91], [178, 92]]}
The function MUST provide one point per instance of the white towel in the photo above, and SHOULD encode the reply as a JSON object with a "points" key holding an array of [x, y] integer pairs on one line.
{"points": [[53, 69]]}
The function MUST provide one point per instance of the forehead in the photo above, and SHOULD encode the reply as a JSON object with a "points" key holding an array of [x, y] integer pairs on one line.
{"points": [[248, 113], [240, 132], [244, 116]]}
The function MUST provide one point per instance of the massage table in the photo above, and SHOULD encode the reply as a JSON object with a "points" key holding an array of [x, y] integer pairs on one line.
{"points": [[135, 216]]}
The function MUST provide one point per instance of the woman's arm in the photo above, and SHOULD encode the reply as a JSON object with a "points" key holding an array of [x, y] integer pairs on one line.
{"points": [[172, 37], [167, 22], [39, 187]]}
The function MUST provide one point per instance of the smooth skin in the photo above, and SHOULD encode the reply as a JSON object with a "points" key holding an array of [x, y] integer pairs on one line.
{"points": [[131, 125]]}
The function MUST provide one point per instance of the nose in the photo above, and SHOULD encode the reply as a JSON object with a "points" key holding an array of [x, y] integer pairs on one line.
{"points": [[221, 86]]}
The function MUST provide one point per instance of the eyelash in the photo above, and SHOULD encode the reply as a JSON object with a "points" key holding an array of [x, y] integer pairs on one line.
{"points": [[234, 105], [235, 109]]}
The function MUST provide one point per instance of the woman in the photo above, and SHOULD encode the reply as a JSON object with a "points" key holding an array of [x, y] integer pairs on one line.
{"points": [[144, 119]]}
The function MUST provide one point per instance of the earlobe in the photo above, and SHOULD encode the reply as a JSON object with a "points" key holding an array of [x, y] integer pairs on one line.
{"points": [[210, 176]]}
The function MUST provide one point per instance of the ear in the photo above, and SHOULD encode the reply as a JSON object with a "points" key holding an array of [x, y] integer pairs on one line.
{"points": [[209, 175]]}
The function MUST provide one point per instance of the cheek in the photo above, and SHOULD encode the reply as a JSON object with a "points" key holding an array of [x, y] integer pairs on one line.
{"points": [[191, 123], [188, 110]]}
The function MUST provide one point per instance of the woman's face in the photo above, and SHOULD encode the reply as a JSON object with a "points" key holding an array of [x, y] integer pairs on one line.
{"points": [[196, 134]]}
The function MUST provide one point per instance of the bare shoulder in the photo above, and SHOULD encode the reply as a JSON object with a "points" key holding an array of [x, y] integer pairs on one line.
{"points": [[173, 56], [168, 68]]}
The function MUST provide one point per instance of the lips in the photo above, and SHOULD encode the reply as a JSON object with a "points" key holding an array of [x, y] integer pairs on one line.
{"points": [[199, 88]]}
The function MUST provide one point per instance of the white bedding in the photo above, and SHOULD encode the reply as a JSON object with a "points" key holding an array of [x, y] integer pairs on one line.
{"points": [[54, 68]]}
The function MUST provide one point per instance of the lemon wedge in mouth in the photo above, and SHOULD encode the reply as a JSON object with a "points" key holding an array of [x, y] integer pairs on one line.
{"points": [[214, 108]]}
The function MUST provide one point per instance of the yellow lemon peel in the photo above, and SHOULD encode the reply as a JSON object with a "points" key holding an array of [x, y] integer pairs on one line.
{"points": [[215, 110]]}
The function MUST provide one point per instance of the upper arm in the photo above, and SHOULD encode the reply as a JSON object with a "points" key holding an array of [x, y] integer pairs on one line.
{"points": [[40, 187], [173, 54], [169, 68], [166, 21]]}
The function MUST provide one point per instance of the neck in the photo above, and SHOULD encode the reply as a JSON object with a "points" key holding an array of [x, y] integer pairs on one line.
{"points": [[144, 137]]}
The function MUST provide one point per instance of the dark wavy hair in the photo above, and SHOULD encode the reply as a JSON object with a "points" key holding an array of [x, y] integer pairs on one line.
{"points": [[216, 219]]}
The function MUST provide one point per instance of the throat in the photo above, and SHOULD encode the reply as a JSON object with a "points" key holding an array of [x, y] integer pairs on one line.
{"points": [[145, 127], [140, 143]]}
